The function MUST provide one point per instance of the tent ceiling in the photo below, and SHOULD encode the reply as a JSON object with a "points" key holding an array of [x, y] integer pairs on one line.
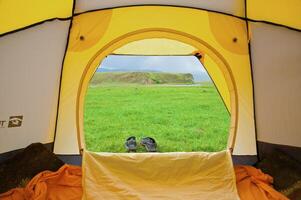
{"points": [[233, 7], [15, 14], [283, 12]]}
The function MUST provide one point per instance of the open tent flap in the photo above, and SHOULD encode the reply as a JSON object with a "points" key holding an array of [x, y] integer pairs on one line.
{"points": [[159, 176]]}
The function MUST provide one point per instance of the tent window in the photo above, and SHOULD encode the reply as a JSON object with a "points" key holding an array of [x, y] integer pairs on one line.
{"points": [[169, 98]]}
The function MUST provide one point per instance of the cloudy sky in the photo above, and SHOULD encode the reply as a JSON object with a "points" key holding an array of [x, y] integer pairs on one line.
{"points": [[176, 64]]}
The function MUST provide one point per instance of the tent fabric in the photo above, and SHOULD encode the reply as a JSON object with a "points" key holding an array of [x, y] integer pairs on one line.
{"points": [[158, 176], [221, 38], [276, 74], [15, 14], [156, 47], [282, 12], [252, 183], [234, 7], [64, 184], [30, 70], [259, 51]]}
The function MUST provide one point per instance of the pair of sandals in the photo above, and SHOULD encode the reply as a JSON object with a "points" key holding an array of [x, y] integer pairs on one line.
{"points": [[149, 144]]}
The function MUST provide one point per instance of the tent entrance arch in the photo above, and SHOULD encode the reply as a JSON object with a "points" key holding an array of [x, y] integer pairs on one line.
{"points": [[97, 34], [149, 34]]}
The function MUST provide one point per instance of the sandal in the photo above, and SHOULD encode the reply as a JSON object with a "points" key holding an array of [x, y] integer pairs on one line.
{"points": [[131, 144], [149, 144]]}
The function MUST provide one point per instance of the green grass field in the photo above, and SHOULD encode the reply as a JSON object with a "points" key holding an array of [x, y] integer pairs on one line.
{"points": [[179, 118]]}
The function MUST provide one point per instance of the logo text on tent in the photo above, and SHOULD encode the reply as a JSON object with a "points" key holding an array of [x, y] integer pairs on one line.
{"points": [[14, 121], [2, 123]]}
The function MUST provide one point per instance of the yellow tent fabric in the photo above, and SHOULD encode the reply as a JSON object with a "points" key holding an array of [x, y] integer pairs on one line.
{"points": [[159, 176], [156, 46], [280, 12], [15, 14]]}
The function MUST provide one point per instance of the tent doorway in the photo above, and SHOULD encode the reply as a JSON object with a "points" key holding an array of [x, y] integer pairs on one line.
{"points": [[222, 75], [169, 98]]}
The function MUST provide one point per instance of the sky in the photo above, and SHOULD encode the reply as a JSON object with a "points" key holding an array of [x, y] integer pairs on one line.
{"points": [[175, 64]]}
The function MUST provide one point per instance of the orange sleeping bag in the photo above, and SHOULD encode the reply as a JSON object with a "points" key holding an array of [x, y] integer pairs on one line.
{"points": [[65, 184], [253, 184]]}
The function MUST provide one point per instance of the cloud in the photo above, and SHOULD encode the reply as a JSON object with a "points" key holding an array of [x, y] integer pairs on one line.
{"points": [[183, 64]]}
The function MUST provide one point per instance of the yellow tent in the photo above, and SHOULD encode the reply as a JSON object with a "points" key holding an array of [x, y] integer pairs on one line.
{"points": [[49, 51]]}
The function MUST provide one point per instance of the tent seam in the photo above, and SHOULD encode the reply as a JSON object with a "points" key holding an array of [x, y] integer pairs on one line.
{"points": [[252, 77], [208, 10], [61, 75], [195, 8], [162, 5], [35, 24]]}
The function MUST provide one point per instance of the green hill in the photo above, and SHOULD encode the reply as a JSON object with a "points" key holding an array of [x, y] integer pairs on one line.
{"points": [[141, 78]]}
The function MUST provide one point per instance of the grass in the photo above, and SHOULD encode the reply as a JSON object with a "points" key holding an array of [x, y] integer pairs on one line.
{"points": [[179, 118]]}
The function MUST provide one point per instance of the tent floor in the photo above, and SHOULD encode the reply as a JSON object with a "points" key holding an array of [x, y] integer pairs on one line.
{"points": [[285, 170]]}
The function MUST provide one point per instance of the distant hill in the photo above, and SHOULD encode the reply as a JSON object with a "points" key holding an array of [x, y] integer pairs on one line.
{"points": [[197, 75], [141, 78]]}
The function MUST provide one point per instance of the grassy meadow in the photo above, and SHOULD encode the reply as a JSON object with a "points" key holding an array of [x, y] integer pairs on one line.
{"points": [[180, 118]]}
